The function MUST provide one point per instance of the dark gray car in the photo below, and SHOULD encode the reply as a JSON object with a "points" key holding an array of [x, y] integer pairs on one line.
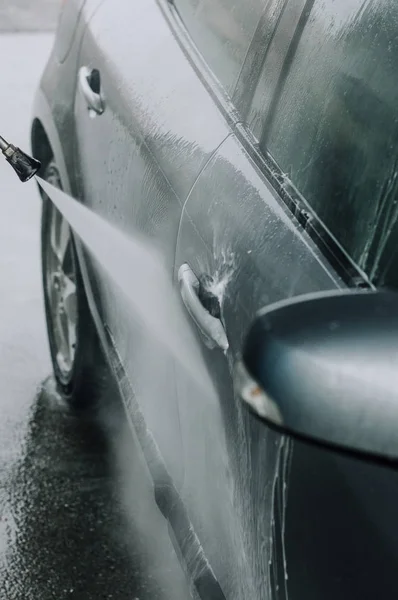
{"points": [[254, 144]]}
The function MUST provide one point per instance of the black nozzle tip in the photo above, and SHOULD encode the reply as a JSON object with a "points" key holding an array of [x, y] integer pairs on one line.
{"points": [[24, 165]]}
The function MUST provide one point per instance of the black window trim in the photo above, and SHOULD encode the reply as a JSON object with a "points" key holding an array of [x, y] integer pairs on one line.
{"points": [[287, 64], [351, 274], [256, 57], [326, 242]]}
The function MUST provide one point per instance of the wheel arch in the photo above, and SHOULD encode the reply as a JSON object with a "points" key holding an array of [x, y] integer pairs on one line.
{"points": [[40, 144]]}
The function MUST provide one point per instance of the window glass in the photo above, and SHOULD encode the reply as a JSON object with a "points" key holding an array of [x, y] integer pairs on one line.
{"points": [[276, 55], [222, 30], [333, 127]]}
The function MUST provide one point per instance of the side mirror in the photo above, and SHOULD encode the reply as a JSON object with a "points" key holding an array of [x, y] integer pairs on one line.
{"points": [[324, 367]]}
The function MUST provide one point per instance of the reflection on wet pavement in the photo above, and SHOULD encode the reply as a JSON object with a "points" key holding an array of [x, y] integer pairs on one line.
{"points": [[74, 519]]}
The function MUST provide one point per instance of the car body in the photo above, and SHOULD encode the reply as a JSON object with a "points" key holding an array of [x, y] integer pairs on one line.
{"points": [[254, 145]]}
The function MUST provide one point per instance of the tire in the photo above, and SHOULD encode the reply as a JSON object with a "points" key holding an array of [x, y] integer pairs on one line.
{"points": [[75, 350]]}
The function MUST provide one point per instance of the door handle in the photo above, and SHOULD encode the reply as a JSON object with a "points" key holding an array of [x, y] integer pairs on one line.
{"points": [[90, 87], [210, 327]]}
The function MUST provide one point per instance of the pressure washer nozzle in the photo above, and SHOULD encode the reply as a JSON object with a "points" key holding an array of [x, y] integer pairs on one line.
{"points": [[24, 165]]}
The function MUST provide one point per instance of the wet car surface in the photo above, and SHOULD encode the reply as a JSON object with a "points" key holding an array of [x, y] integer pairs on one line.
{"points": [[250, 517]]}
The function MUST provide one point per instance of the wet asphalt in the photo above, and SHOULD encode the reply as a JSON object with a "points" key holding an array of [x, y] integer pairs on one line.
{"points": [[78, 520], [77, 512]]}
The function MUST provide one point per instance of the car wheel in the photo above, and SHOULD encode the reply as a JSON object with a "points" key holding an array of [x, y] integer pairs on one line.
{"points": [[74, 345]]}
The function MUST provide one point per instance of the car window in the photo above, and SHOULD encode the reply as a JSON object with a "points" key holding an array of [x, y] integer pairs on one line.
{"points": [[222, 30], [275, 54], [333, 125]]}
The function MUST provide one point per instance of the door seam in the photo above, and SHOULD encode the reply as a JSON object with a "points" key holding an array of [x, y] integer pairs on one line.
{"points": [[174, 270], [209, 159]]}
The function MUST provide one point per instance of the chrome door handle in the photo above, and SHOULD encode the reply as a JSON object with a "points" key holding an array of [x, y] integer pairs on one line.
{"points": [[210, 327], [90, 87]]}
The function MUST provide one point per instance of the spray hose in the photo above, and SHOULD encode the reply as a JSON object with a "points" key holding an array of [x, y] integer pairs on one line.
{"points": [[24, 165]]}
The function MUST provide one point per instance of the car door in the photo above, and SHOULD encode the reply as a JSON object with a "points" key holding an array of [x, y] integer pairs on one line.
{"points": [[238, 249], [247, 251], [140, 110], [248, 238]]}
